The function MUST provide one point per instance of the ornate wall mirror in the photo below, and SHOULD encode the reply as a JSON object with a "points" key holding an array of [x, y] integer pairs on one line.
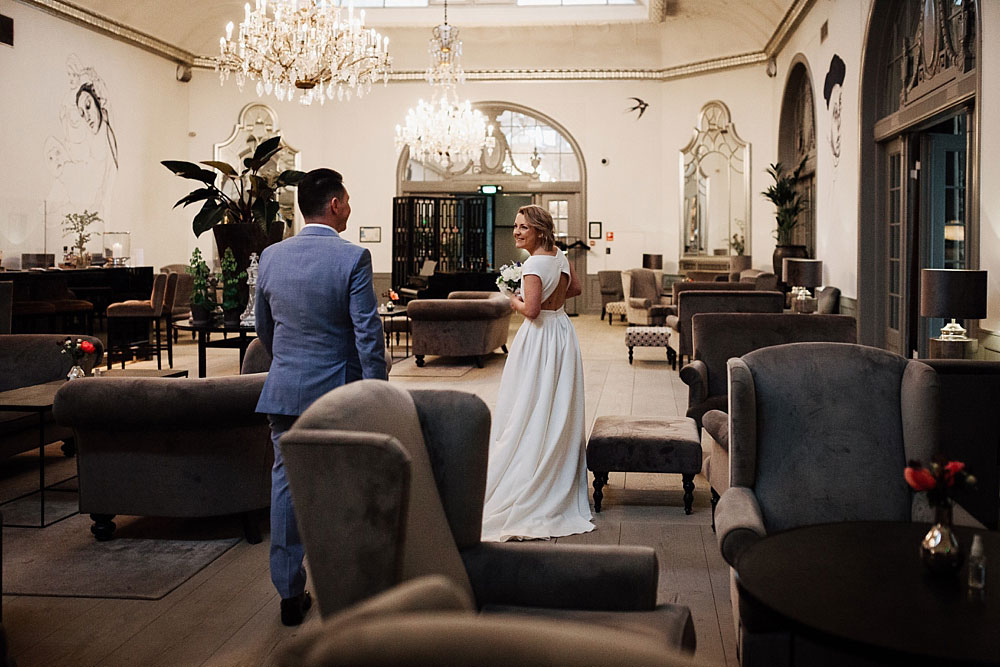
{"points": [[715, 187], [256, 123]]}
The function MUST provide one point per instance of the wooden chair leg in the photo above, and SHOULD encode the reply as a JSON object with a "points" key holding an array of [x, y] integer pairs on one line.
{"points": [[170, 342], [159, 344]]}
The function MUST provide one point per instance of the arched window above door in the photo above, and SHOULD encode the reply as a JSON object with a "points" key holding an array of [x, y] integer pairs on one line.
{"points": [[529, 148]]}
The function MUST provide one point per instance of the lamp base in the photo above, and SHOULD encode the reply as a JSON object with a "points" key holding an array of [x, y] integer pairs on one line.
{"points": [[953, 331]]}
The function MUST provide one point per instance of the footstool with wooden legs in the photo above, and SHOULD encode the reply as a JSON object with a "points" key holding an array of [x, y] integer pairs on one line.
{"points": [[642, 336], [639, 444]]}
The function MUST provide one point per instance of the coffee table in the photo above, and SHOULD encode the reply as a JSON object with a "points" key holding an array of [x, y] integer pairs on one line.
{"points": [[391, 324], [38, 399], [860, 588], [242, 341]]}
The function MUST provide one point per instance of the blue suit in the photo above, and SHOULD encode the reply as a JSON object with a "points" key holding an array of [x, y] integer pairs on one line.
{"points": [[316, 314]]}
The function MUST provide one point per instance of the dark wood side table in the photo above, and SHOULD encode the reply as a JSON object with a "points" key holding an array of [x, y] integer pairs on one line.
{"points": [[859, 587], [951, 349], [395, 321], [244, 336]]}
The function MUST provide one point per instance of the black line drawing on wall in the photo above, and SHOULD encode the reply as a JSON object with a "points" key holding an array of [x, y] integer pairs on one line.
{"points": [[832, 89], [83, 156]]}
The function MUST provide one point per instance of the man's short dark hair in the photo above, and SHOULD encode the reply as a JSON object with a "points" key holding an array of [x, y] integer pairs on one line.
{"points": [[316, 189]]}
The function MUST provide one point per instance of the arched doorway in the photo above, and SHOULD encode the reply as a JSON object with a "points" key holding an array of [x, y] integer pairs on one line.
{"points": [[535, 161], [919, 156], [797, 145]]}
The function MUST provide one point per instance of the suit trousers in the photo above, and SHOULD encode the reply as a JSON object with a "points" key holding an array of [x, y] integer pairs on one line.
{"points": [[287, 573]]}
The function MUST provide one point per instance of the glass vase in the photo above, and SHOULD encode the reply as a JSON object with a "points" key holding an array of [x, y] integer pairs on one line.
{"points": [[939, 550], [76, 372]]}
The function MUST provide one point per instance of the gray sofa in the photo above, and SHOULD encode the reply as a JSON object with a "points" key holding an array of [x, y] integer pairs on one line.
{"points": [[466, 324], [169, 447], [388, 486], [25, 360], [431, 621]]}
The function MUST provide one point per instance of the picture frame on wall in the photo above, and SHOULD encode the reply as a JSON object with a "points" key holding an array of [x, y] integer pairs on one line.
{"points": [[594, 230], [371, 234]]}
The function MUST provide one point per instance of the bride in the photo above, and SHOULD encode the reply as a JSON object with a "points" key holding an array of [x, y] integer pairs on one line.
{"points": [[537, 475]]}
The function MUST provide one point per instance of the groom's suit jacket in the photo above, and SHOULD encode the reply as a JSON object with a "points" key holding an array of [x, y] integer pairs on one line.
{"points": [[316, 314]]}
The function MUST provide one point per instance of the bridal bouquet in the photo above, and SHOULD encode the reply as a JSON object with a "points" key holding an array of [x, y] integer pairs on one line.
{"points": [[509, 281]]}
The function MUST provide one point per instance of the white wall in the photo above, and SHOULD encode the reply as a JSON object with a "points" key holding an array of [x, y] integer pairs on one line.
{"points": [[148, 114], [989, 167], [836, 186]]}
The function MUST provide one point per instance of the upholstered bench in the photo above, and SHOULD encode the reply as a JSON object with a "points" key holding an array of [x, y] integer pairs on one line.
{"points": [[650, 337], [638, 444], [615, 308]]}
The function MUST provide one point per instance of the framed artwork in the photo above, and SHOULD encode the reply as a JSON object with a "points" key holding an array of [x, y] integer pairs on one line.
{"points": [[371, 234], [594, 230]]}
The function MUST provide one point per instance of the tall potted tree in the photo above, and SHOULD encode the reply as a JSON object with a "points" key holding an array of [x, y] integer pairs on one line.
{"points": [[239, 205], [788, 205]]}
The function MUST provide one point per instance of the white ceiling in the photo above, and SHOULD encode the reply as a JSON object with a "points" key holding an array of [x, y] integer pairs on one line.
{"points": [[691, 30]]}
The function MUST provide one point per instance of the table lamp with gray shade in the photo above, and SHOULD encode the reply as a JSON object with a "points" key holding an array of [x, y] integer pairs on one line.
{"points": [[652, 261], [801, 275], [954, 294]]}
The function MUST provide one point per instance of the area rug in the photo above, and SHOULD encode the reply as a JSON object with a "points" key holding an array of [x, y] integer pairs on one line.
{"points": [[435, 367], [146, 560]]}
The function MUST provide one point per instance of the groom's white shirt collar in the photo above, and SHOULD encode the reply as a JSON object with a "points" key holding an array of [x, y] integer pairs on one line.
{"points": [[316, 224]]}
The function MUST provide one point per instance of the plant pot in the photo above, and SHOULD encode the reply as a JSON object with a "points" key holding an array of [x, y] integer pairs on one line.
{"points": [[783, 251], [200, 316], [231, 318], [245, 239]]}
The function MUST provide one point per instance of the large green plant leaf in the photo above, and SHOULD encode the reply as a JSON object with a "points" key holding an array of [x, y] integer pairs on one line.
{"points": [[190, 170], [265, 150], [224, 167], [289, 177], [209, 216], [200, 194]]}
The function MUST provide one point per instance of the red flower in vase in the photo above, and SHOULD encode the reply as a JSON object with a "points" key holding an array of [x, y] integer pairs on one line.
{"points": [[937, 479], [88, 347]]}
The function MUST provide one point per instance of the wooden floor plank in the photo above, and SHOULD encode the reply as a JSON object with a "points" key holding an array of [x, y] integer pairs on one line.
{"points": [[718, 572]]}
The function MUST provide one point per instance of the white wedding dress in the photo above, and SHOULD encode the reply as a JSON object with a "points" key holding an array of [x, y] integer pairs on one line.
{"points": [[537, 474]]}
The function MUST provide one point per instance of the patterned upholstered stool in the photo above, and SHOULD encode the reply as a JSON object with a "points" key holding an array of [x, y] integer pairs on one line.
{"points": [[637, 444], [650, 337], [615, 308]]}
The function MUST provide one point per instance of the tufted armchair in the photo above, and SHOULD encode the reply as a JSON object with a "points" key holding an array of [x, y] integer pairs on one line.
{"points": [[388, 486], [819, 432], [643, 303]]}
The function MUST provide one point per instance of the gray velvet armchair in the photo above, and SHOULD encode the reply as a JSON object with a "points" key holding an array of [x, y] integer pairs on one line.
{"points": [[718, 337], [169, 447], [819, 432], [466, 324], [643, 303], [691, 302], [431, 621], [388, 486]]}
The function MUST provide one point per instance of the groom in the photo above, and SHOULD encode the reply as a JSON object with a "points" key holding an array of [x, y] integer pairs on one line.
{"points": [[316, 315]]}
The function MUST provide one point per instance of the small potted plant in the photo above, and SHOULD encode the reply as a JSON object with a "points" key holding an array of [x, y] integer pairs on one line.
{"points": [[76, 224], [788, 205], [202, 296], [231, 279]]}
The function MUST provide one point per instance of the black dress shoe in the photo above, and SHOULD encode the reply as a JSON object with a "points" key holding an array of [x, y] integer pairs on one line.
{"points": [[294, 609]]}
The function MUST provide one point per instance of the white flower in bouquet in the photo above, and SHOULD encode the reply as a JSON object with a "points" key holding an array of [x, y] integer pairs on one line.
{"points": [[509, 281]]}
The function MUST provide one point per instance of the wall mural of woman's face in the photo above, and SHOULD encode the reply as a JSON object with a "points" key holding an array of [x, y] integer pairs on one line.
{"points": [[89, 110], [835, 107]]}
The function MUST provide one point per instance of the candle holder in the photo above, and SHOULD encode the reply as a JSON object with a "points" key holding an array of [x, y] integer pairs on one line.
{"points": [[117, 247]]}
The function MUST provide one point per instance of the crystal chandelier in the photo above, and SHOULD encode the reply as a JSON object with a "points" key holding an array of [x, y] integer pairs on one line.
{"points": [[307, 46], [445, 131]]}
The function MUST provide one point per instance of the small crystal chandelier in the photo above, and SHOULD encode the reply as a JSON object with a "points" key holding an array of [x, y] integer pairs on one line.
{"points": [[305, 46], [445, 131]]}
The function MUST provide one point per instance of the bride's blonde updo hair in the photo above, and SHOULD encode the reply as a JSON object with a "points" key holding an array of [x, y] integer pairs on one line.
{"points": [[541, 221]]}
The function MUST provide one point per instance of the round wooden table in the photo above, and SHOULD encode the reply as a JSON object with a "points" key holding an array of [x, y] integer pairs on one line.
{"points": [[860, 587]]}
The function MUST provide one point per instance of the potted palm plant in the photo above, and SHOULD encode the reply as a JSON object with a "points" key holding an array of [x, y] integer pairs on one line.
{"points": [[239, 205], [788, 205]]}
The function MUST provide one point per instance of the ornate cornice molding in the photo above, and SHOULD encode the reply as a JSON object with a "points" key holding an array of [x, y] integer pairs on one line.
{"points": [[788, 23], [124, 33], [110, 28]]}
